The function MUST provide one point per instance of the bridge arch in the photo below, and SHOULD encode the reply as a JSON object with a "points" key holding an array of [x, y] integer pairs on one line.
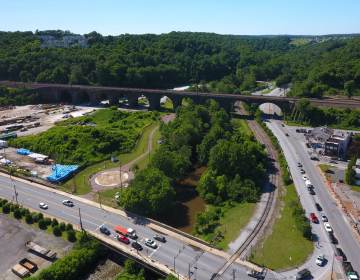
{"points": [[271, 109]]}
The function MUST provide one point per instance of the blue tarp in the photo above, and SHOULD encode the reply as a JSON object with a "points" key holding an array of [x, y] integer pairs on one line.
{"points": [[23, 152], [61, 172]]}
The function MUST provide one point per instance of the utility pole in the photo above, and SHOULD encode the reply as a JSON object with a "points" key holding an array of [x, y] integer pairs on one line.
{"points": [[99, 199], [13, 183], [189, 272], [233, 274], [81, 225], [121, 184]]}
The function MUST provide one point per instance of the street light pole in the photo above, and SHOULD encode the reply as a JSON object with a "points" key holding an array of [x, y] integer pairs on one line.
{"points": [[81, 225], [99, 199]]}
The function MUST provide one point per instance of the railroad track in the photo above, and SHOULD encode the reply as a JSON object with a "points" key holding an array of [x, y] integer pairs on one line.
{"points": [[273, 179]]}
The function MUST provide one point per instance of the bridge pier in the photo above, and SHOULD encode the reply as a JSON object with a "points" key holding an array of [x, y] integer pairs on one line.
{"points": [[154, 101], [132, 99], [113, 100], [176, 101]]}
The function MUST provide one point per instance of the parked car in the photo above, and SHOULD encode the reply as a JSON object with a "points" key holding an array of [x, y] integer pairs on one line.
{"points": [[104, 230], [305, 178], [150, 243], [324, 218], [313, 218], [160, 238], [287, 134], [333, 239], [303, 274], [123, 239], [321, 260], [136, 246], [299, 164], [327, 227], [67, 202], [132, 233], [352, 275], [42, 205], [302, 171], [256, 274], [318, 207], [311, 191], [340, 253]]}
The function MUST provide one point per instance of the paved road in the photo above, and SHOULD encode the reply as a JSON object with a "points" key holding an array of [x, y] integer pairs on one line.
{"points": [[295, 151], [186, 257]]}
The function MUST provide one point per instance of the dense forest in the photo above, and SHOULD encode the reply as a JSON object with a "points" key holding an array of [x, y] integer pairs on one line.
{"points": [[220, 63]]}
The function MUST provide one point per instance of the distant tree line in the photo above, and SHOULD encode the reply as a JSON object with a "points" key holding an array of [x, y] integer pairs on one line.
{"points": [[220, 63]]}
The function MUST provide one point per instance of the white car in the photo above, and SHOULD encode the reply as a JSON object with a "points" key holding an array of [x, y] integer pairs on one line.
{"points": [[150, 243], [302, 171], [42, 205], [327, 227], [305, 178], [67, 202], [320, 260]]}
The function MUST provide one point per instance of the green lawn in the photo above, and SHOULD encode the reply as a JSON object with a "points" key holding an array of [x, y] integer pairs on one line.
{"points": [[107, 197], [285, 247], [79, 184], [233, 221]]}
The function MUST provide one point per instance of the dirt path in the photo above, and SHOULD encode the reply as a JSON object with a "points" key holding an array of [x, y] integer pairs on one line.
{"points": [[114, 173]]}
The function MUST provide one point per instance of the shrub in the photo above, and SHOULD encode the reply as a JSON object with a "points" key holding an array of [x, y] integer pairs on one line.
{"points": [[17, 213], [69, 227], [42, 224], [56, 230], [47, 221], [6, 208], [24, 211], [35, 217], [62, 226], [1, 202], [13, 207], [54, 223], [28, 219], [71, 236]]}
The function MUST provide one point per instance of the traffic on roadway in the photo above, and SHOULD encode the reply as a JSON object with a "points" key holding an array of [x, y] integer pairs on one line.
{"points": [[336, 240], [186, 260]]}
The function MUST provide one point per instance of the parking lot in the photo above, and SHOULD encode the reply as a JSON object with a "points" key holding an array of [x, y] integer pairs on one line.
{"points": [[13, 235]]}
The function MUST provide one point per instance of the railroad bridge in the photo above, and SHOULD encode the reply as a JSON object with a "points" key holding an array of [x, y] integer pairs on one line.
{"points": [[80, 94]]}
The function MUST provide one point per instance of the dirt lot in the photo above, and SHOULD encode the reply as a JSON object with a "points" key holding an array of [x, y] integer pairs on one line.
{"points": [[46, 115], [13, 235]]}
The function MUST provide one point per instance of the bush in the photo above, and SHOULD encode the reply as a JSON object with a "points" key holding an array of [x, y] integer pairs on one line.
{"points": [[42, 224], [62, 226], [13, 207], [1, 202], [69, 227], [17, 214], [56, 230], [6, 208], [71, 236], [24, 211], [28, 219], [35, 217], [54, 223], [47, 221]]}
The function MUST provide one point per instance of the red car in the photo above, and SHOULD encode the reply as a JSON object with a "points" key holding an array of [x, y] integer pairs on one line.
{"points": [[123, 239], [313, 218]]}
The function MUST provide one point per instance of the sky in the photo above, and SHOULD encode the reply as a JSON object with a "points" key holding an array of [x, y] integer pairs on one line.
{"points": [[244, 17]]}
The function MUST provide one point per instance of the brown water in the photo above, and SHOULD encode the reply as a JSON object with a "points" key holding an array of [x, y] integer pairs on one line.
{"points": [[189, 203]]}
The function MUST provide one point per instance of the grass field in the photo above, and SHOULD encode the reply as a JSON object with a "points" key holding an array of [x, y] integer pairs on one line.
{"points": [[233, 221], [285, 247], [79, 184]]}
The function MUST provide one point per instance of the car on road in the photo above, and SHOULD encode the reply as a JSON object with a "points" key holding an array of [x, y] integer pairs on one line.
{"points": [[302, 171], [311, 191], [150, 243], [67, 202], [305, 178], [123, 239], [299, 164], [333, 239], [287, 134], [340, 253], [103, 229], [318, 206], [160, 238], [327, 227], [132, 233], [303, 274], [43, 205], [352, 275], [321, 260], [137, 246], [313, 218], [324, 218], [256, 274]]}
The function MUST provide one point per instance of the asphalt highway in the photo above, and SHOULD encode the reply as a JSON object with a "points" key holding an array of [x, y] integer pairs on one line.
{"points": [[186, 259], [295, 151]]}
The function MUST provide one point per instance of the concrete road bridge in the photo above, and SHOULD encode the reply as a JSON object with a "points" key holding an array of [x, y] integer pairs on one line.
{"points": [[80, 94]]}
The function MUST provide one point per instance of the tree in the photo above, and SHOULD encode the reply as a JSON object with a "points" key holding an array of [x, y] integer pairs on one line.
{"points": [[71, 236], [17, 214], [28, 219], [42, 224], [349, 88], [150, 194], [56, 230]]}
